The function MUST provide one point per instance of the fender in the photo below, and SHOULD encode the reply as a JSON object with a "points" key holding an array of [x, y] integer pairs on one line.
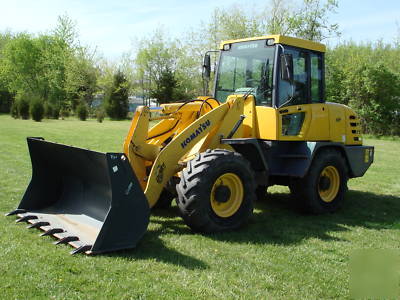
{"points": [[293, 159]]}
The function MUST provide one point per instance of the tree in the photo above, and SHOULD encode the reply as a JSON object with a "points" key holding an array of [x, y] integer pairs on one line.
{"points": [[54, 54], [164, 91], [397, 37], [277, 17], [53, 66], [81, 73], [33, 65], [116, 99], [365, 77], [154, 55], [374, 92], [159, 58], [19, 65], [232, 23], [107, 71], [311, 20], [81, 78], [66, 31], [307, 19], [6, 96]]}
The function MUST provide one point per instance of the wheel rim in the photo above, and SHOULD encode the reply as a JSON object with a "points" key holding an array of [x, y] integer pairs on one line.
{"points": [[227, 195], [329, 184]]}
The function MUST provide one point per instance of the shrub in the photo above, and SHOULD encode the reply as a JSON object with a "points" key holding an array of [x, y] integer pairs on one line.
{"points": [[51, 111], [23, 108], [48, 110], [37, 109], [6, 100], [14, 110], [56, 112], [64, 112], [82, 111], [92, 112], [100, 114], [22, 100]]}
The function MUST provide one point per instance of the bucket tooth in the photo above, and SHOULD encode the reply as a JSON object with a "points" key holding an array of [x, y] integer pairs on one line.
{"points": [[16, 211], [52, 231], [66, 240], [81, 249], [26, 218], [38, 224]]}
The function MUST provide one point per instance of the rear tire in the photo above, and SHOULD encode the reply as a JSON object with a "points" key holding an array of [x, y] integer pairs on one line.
{"points": [[323, 189], [216, 191]]}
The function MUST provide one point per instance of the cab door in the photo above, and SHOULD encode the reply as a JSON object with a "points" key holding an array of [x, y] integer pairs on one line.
{"points": [[302, 112]]}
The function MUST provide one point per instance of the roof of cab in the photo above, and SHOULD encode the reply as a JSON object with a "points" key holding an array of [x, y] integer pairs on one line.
{"points": [[281, 39]]}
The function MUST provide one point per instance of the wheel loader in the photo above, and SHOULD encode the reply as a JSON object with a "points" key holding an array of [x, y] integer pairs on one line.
{"points": [[266, 123]]}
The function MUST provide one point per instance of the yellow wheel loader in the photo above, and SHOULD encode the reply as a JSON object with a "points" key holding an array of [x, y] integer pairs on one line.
{"points": [[266, 123]]}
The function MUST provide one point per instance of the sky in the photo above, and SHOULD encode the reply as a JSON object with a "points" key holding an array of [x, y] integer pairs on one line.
{"points": [[113, 26]]}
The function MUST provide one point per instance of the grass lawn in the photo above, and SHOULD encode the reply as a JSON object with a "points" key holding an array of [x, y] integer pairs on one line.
{"points": [[279, 254]]}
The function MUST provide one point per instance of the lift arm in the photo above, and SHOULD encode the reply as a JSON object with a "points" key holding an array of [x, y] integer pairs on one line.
{"points": [[212, 126]]}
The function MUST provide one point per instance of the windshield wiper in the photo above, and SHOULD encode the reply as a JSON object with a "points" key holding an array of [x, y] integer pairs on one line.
{"points": [[264, 82]]}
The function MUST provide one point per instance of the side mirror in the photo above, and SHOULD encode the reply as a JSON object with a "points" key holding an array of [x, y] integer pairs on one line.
{"points": [[207, 66], [287, 67]]}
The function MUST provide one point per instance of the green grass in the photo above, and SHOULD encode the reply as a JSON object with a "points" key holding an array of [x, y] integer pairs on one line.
{"points": [[279, 254]]}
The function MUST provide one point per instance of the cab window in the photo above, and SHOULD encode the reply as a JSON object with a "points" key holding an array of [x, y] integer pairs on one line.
{"points": [[296, 92], [246, 68], [316, 78]]}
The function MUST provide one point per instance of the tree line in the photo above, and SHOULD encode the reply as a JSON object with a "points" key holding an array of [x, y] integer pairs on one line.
{"points": [[54, 69], [52, 75]]}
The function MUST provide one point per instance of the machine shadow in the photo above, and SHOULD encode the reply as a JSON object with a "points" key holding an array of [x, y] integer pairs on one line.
{"points": [[153, 247], [276, 221]]}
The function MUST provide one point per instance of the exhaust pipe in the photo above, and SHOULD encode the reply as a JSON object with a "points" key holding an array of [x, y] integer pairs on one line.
{"points": [[90, 200]]}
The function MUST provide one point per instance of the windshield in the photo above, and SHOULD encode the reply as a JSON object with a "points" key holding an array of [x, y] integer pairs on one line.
{"points": [[246, 68]]}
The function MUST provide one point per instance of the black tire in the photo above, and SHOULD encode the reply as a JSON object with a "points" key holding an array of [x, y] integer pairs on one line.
{"points": [[310, 190], [196, 186]]}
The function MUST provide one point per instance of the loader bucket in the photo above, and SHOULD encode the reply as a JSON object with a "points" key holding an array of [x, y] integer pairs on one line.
{"points": [[88, 199]]}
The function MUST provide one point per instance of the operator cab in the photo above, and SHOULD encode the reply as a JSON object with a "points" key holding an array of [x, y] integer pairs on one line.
{"points": [[277, 70]]}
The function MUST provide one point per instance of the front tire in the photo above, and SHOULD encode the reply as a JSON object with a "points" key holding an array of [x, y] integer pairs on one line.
{"points": [[216, 191], [323, 189]]}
